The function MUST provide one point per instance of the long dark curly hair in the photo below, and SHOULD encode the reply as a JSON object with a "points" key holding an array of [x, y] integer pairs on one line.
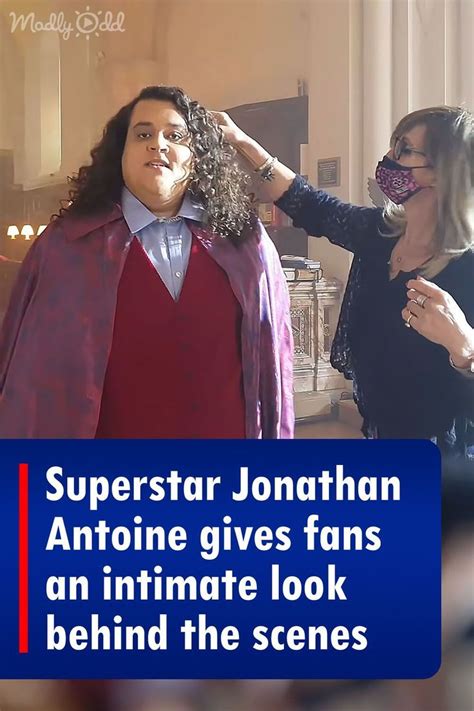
{"points": [[217, 182]]}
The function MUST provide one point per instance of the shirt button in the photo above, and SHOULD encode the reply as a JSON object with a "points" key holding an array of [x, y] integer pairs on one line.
{"points": [[178, 274]]}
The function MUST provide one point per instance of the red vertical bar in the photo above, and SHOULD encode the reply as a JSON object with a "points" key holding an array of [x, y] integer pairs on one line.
{"points": [[23, 559]]}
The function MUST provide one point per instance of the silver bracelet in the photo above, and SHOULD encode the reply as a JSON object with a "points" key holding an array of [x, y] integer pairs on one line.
{"points": [[264, 165], [267, 170], [465, 371]]}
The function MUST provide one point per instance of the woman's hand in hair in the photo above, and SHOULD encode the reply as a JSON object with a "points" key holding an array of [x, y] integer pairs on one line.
{"points": [[438, 317], [256, 157], [232, 133], [252, 151]]}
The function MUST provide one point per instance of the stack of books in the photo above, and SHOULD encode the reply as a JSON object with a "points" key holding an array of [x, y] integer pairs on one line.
{"points": [[301, 268]]}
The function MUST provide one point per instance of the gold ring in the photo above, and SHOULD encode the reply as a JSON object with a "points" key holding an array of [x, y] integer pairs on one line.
{"points": [[407, 322], [420, 300]]}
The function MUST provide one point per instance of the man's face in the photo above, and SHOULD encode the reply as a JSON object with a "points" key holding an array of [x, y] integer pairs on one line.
{"points": [[157, 158]]}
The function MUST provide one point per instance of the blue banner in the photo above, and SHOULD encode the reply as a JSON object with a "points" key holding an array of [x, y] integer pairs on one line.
{"points": [[220, 559]]}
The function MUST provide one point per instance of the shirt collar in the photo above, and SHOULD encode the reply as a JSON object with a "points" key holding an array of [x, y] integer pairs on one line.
{"points": [[138, 216]]}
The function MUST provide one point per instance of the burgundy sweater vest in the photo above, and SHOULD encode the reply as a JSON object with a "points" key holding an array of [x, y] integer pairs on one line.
{"points": [[175, 367]]}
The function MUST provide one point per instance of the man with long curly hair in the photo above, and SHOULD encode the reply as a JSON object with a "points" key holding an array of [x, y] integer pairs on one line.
{"points": [[154, 304]]}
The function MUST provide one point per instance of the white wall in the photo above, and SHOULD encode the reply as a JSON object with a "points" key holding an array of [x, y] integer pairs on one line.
{"points": [[334, 122], [366, 63], [430, 62], [11, 88], [370, 63], [231, 52], [7, 58]]}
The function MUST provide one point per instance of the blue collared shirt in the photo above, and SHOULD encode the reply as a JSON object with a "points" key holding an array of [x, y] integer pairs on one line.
{"points": [[167, 242]]}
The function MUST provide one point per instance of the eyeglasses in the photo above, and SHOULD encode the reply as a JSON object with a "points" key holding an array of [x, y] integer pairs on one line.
{"points": [[401, 147]]}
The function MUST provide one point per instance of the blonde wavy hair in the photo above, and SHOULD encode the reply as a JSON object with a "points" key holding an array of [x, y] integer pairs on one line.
{"points": [[449, 148]]}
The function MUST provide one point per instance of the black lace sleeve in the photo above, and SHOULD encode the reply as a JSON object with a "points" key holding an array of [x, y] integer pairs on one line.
{"points": [[323, 215]]}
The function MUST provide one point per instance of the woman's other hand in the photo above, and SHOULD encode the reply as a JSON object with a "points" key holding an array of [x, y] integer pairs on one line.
{"points": [[437, 316]]}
